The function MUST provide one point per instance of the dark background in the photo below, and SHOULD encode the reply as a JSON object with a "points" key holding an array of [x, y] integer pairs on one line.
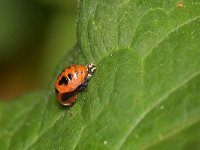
{"points": [[34, 36]]}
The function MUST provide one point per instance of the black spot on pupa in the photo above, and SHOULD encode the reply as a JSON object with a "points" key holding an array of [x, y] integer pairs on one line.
{"points": [[63, 80], [70, 76], [67, 95]]}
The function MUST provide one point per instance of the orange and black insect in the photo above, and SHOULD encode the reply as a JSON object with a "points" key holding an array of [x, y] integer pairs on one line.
{"points": [[71, 81]]}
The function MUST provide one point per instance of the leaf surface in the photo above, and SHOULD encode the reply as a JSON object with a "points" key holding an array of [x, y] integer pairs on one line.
{"points": [[145, 91]]}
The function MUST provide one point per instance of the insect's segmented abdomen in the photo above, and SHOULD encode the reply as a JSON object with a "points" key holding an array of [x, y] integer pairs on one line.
{"points": [[71, 78]]}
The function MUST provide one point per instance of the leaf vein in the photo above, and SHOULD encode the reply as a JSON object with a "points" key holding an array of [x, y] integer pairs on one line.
{"points": [[40, 135], [175, 29], [22, 123], [60, 117], [144, 115], [172, 133]]}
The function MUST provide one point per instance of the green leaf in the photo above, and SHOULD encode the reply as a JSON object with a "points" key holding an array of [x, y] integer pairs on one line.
{"points": [[145, 91]]}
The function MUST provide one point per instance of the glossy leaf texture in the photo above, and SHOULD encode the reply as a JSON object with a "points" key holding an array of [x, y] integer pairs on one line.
{"points": [[145, 91]]}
